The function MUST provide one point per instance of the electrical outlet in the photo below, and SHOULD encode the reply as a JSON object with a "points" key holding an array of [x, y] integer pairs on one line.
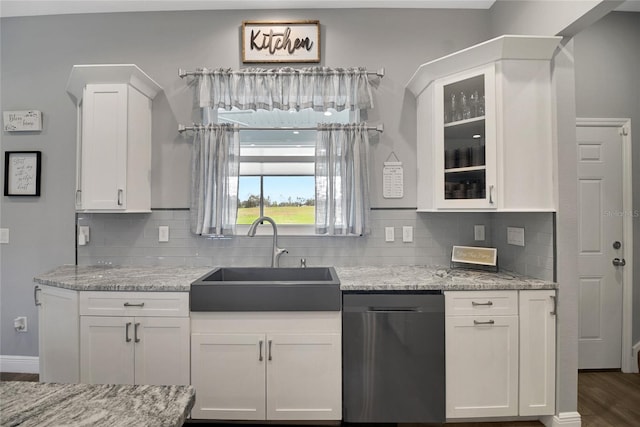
{"points": [[407, 234], [20, 324], [389, 234], [83, 235], [4, 236], [163, 233], [478, 232]]}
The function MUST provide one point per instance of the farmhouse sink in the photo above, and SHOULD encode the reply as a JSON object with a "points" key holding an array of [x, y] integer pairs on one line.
{"points": [[267, 289]]}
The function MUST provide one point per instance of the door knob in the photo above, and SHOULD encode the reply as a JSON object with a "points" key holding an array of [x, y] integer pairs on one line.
{"points": [[617, 245], [619, 262]]}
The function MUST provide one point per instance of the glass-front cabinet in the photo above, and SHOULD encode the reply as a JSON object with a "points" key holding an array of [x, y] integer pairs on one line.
{"points": [[485, 136], [466, 157]]}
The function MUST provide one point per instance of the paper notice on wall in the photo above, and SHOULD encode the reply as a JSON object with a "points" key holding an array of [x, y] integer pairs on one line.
{"points": [[392, 180]]}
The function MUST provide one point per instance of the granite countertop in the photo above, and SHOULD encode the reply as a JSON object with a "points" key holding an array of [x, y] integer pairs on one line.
{"points": [[122, 278], [405, 278], [362, 278], [32, 404]]}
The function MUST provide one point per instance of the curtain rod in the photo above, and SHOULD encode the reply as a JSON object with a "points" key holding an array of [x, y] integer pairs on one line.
{"points": [[183, 128], [182, 73]]}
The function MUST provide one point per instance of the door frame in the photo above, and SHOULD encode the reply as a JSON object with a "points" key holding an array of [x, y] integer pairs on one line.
{"points": [[624, 129]]}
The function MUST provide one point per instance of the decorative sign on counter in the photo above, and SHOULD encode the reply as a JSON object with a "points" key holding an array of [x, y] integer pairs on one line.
{"points": [[22, 121], [392, 178], [290, 41], [22, 173], [475, 255]]}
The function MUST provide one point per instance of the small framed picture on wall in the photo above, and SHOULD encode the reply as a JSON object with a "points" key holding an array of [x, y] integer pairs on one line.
{"points": [[22, 173]]}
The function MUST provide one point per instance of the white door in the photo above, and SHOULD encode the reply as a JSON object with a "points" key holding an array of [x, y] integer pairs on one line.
{"points": [[162, 350], [106, 350], [228, 372], [304, 380], [600, 215]]}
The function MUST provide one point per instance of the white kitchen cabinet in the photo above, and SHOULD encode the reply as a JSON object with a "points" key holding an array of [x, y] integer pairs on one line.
{"points": [[267, 366], [500, 353], [58, 334], [485, 136], [482, 357], [537, 352], [144, 339], [114, 137]]}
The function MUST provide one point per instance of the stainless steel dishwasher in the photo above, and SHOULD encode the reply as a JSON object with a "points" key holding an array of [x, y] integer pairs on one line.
{"points": [[393, 357]]}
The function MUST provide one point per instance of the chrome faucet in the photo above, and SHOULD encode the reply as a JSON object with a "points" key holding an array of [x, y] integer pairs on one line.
{"points": [[276, 251]]}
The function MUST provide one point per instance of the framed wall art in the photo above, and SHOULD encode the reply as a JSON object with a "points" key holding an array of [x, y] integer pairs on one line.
{"points": [[291, 41], [22, 173]]}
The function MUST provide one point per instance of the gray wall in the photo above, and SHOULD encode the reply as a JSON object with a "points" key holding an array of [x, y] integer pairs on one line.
{"points": [[37, 54], [607, 63]]}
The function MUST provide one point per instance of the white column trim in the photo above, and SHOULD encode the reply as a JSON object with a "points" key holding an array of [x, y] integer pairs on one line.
{"points": [[624, 124], [20, 364], [563, 419]]}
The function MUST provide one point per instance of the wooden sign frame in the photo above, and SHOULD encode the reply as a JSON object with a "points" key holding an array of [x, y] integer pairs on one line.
{"points": [[280, 41]]}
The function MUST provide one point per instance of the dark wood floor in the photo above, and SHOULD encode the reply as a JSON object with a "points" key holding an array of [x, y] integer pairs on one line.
{"points": [[605, 399]]}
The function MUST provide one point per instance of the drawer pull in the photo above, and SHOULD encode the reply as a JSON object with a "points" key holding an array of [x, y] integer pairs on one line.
{"points": [[35, 295], [488, 322], [489, 303], [554, 312], [128, 304], [126, 332]]}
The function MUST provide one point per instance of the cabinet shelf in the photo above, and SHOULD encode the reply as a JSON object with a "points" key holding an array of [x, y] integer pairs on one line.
{"points": [[464, 122], [467, 169]]}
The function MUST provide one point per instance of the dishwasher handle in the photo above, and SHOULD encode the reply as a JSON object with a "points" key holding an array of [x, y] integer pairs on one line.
{"points": [[393, 309]]}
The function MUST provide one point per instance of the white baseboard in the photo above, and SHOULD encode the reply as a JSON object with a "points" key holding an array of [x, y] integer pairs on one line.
{"points": [[20, 364], [563, 419], [634, 363]]}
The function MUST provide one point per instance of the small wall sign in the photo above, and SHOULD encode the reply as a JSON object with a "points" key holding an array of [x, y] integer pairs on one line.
{"points": [[475, 255], [22, 121], [292, 41], [22, 173]]}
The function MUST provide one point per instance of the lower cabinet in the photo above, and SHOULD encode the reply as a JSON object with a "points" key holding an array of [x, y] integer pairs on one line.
{"points": [[500, 353], [140, 346], [267, 366]]}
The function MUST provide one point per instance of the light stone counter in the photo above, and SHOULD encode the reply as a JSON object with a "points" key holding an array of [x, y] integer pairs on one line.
{"points": [[362, 278], [411, 278], [113, 278], [32, 404]]}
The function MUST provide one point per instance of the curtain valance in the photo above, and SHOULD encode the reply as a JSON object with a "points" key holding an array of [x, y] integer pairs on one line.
{"points": [[319, 88]]}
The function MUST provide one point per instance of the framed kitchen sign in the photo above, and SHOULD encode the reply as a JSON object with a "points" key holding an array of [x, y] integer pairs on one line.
{"points": [[289, 41], [22, 173]]}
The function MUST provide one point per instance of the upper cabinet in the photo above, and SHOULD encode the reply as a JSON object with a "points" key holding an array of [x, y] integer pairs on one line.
{"points": [[485, 136], [113, 164]]}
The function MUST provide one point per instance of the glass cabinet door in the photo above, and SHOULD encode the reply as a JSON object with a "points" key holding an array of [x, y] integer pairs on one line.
{"points": [[465, 141]]}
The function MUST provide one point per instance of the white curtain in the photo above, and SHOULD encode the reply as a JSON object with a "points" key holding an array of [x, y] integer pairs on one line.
{"points": [[342, 179], [285, 88], [215, 165]]}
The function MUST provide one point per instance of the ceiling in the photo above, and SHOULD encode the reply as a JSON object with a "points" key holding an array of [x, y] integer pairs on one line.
{"points": [[9, 8]]}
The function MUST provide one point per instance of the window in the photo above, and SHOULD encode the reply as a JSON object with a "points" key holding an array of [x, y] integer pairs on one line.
{"points": [[277, 167]]}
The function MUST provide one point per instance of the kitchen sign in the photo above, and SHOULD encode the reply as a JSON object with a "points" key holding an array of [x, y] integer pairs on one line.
{"points": [[294, 41]]}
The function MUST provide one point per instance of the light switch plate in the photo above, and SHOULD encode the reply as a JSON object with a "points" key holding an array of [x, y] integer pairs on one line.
{"points": [[478, 232], [163, 233], [4, 236], [389, 234], [407, 234], [515, 236]]}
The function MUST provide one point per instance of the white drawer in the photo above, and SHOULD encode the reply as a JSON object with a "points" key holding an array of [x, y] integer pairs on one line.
{"points": [[100, 303], [480, 303]]}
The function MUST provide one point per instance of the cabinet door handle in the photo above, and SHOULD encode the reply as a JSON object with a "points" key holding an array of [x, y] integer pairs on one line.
{"points": [[269, 358], [128, 304], [120, 193], [35, 295], [135, 333], [488, 322], [260, 358], [554, 312], [126, 332], [489, 303], [491, 194]]}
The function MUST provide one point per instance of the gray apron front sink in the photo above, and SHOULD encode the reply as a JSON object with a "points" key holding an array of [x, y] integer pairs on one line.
{"points": [[267, 289]]}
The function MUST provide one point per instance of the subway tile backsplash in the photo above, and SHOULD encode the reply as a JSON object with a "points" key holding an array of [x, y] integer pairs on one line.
{"points": [[132, 239]]}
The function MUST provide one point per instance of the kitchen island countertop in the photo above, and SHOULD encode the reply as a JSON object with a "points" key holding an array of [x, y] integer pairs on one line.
{"points": [[359, 278], [33, 404]]}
